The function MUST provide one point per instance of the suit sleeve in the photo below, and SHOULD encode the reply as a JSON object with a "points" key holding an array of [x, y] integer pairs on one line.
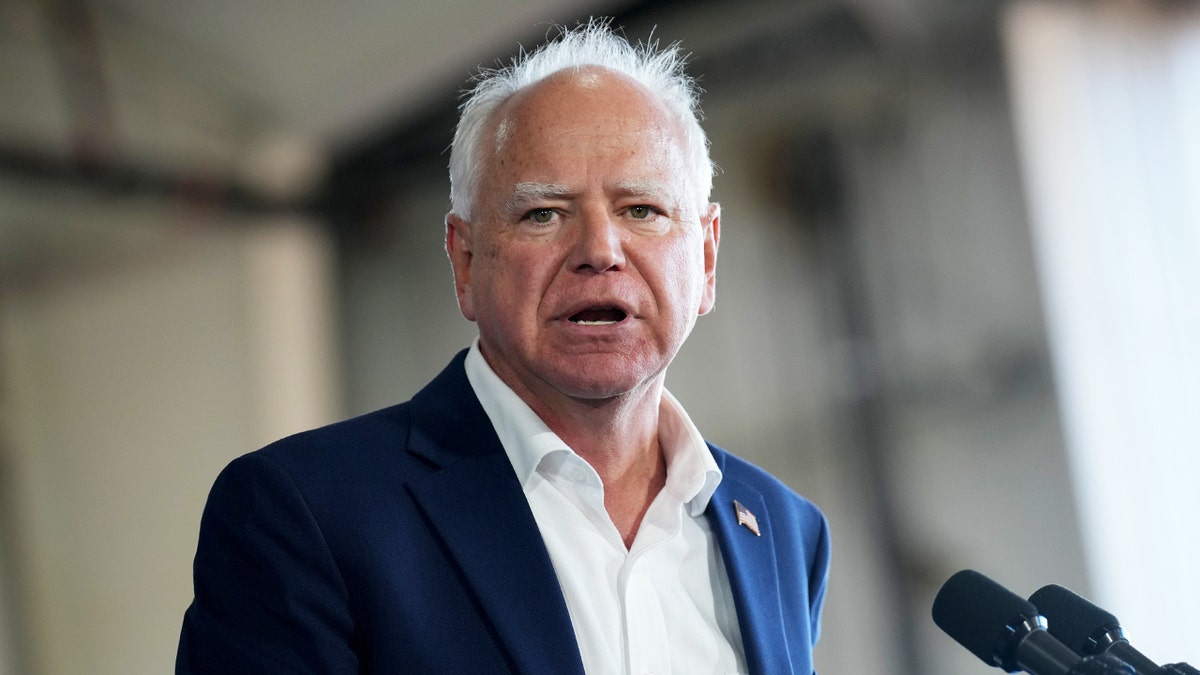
{"points": [[268, 595]]}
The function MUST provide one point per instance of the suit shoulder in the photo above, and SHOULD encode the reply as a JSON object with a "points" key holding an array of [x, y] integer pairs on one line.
{"points": [[775, 491], [346, 449], [384, 427]]}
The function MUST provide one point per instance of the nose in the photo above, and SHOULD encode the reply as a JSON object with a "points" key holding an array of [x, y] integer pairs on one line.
{"points": [[598, 246]]}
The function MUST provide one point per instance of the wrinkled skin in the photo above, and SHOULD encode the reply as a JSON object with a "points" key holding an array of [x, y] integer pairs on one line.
{"points": [[589, 254]]}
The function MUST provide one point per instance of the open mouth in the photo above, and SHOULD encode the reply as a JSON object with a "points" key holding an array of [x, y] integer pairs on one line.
{"points": [[598, 316]]}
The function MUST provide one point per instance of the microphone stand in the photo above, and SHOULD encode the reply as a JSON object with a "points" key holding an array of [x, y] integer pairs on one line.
{"points": [[1177, 669], [1102, 664]]}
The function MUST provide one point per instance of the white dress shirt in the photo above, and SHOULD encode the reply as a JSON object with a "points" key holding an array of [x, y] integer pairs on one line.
{"points": [[662, 606]]}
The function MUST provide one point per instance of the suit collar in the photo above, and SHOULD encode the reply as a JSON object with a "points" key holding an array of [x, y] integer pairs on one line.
{"points": [[474, 503], [448, 420], [753, 573]]}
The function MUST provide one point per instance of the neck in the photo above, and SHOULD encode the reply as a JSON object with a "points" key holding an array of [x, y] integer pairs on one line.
{"points": [[619, 438]]}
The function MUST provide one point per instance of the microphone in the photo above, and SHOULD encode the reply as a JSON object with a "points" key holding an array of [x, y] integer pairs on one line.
{"points": [[1006, 631], [1087, 629]]}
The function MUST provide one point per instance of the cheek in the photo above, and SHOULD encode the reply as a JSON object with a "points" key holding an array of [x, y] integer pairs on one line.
{"points": [[493, 261], [511, 280], [495, 251], [681, 270]]}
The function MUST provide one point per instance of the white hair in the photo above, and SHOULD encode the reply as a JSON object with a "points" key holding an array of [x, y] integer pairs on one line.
{"points": [[592, 44]]}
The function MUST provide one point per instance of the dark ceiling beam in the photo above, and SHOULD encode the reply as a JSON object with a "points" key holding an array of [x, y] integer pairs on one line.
{"points": [[92, 159], [128, 179]]}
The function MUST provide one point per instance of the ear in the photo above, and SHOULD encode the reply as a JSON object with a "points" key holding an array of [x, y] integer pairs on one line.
{"points": [[710, 223], [460, 249]]}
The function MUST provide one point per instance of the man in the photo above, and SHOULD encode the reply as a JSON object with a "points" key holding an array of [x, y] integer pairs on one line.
{"points": [[544, 505]]}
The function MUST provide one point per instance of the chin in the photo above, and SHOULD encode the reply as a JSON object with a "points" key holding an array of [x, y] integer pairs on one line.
{"points": [[604, 379], [596, 391]]}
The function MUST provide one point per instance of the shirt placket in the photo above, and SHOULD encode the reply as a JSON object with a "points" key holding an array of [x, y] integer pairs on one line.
{"points": [[646, 639]]}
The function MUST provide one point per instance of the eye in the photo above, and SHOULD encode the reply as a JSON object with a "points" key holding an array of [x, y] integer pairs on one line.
{"points": [[541, 216], [641, 212]]}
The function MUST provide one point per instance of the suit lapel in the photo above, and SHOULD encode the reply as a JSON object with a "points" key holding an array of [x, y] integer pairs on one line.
{"points": [[475, 504], [477, 508], [753, 575]]}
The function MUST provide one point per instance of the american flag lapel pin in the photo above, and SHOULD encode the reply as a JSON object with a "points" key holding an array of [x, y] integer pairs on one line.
{"points": [[745, 518]]}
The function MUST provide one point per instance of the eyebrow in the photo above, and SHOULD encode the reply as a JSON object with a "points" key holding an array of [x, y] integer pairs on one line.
{"points": [[639, 188], [528, 193], [525, 194], [654, 191]]}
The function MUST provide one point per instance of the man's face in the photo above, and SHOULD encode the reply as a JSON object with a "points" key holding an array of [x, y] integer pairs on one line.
{"points": [[588, 257]]}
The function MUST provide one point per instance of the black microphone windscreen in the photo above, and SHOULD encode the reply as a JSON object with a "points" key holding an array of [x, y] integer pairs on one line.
{"points": [[1072, 619], [979, 613]]}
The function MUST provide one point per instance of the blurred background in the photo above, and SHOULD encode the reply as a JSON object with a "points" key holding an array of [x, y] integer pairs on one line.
{"points": [[957, 305]]}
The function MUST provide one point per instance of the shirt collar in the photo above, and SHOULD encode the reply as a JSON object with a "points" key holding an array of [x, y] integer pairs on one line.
{"points": [[525, 437], [692, 473]]}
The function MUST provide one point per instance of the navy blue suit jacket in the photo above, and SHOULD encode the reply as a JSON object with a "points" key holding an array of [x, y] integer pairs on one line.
{"points": [[401, 542]]}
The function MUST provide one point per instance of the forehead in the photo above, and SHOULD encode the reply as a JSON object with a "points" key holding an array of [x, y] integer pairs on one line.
{"points": [[591, 111]]}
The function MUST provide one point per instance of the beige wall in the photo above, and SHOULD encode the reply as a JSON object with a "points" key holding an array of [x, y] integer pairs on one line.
{"points": [[127, 387]]}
